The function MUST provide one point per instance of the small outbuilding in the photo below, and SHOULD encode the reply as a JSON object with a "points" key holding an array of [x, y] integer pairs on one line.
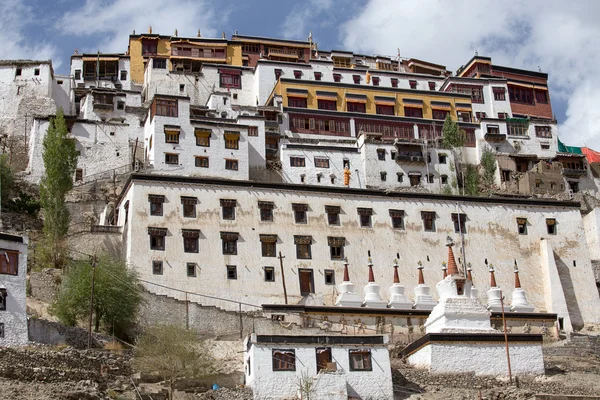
{"points": [[13, 271], [320, 367]]}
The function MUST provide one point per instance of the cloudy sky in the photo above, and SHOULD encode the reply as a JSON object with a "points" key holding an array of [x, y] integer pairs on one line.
{"points": [[559, 37]]}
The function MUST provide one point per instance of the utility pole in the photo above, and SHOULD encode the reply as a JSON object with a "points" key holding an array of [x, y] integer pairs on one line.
{"points": [[506, 339], [91, 302], [283, 277]]}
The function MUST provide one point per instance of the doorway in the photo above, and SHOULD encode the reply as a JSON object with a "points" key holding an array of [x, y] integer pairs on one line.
{"points": [[307, 283], [323, 357]]}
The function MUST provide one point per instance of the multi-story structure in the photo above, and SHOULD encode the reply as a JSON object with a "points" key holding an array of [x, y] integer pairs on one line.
{"points": [[13, 271]]}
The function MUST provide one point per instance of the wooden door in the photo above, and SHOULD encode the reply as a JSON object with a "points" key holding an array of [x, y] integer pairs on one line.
{"points": [[323, 357], [306, 281]]}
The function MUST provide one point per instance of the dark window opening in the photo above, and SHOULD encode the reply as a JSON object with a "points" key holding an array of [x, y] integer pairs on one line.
{"points": [[269, 274], [231, 272], [329, 276], [360, 360], [284, 360], [522, 226], [157, 267], [191, 269]]}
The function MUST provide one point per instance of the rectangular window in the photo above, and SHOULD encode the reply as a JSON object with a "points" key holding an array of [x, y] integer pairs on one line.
{"points": [[232, 272], [541, 96], [157, 238], [459, 222], [397, 217], [333, 215], [551, 226], [277, 74], [413, 112], [77, 74], [327, 105], [440, 114], [157, 267], [189, 206], [337, 77], [253, 131], [375, 81], [159, 63], [356, 79], [229, 243], [321, 162], [284, 360], [413, 84], [502, 115], [1, 329], [300, 213], [329, 276], [431, 85], [543, 132], [297, 162], [123, 75], [297, 74], [266, 210], [428, 218], [268, 245], [356, 107], [233, 81], [520, 95], [336, 247], [201, 162], [202, 137], [394, 82], [190, 240], [228, 209], [360, 360], [171, 158], [518, 127], [156, 204], [269, 274], [365, 216], [522, 226], [318, 76], [191, 269], [384, 110], [381, 154], [172, 135], [165, 107], [383, 176], [297, 102], [499, 93], [78, 175], [231, 164], [9, 262], [2, 299], [120, 106], [232, 140], [303, 244]]}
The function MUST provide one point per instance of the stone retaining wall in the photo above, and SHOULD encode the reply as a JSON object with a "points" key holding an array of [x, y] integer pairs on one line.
{"points": [[53, 333], [577, 345], [45, 284]]}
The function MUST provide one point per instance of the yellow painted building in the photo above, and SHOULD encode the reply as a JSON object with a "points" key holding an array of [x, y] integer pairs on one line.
{"points": [[377, 100], [182, 54]]}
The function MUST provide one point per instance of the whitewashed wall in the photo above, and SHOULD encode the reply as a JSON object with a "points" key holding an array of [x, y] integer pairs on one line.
{"points": [[491, 232], [124, 65], [15, 316], [269, 384]]}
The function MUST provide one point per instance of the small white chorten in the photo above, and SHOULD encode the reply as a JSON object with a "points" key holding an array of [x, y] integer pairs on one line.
{"points": [[423, 298], [494, 294], [372, 297], [397, 298], [519, 299], [474, 290], [456, 311], [347, 296]]}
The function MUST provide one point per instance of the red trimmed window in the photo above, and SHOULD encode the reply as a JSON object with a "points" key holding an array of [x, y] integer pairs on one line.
{"points": [[166, 107], [413, 84], [253, 131], [440, 114], [375, 81], [337, 77], [413, 112], [541, 96], [318, 76], [501, 115], [543, 132], [233, 81], [520, 95], [499, 93], [327, 104], [297, 74], [356, 78], [394, 82], [384, 110], [297, 102], [431, 85], [357, 107], [277, 74]]}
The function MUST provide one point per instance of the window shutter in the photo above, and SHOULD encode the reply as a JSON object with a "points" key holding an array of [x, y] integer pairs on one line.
{"points": [[311, 123]]}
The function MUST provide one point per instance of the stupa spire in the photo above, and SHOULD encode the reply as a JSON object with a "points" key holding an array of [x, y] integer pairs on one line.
{"points": [[452, 267]]}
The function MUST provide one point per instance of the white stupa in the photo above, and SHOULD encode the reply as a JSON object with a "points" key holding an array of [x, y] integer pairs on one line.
{"points": [[397, 298], [347, 296], [423, 298], [519, 298], [474, 290], [494, 303], [372, 297]]}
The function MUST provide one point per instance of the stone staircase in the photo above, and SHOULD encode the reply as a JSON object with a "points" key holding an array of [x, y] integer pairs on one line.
{"points": [[576, 345]]}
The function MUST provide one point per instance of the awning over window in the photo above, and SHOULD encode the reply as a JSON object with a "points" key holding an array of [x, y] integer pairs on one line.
{"points": [[191, 233], [463, 107], [456, 216], [332, 209], [441, 105], [230, 71], [301, 93], [202, 132], [231, 135], [302, 239], [230, 235], [364, 211], [336, 241], [227, 202], [414, 174], [522, 221], [322, 95], [397, 213], [428, 215], [269, 205], [156, 198], [299, 207], [100, 59], [550, 221], [498, 90], [385, 101], [157, 231], [268, 238], [414, 103], [192, 201]]}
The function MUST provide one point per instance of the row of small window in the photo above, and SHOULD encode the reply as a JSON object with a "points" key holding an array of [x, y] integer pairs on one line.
{"points": [[285, 359], [19, 71], [201, 161], [356, 79], [521, 129], [232, 138], [476, 92], [231, 272]]}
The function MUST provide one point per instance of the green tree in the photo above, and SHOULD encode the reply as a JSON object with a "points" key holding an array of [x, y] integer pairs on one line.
{"points": [[117, 295], [60, 160], [172, 353], [471, 183], [488, 164], [7, 179], [452, 135]]}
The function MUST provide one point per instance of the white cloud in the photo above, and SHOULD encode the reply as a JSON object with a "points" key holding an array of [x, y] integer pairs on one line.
{"points": [[560, 38], [305, 16], [114, 20], [15, 17]]}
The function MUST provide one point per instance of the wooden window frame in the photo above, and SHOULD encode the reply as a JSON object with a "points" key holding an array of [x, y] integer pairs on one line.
{"points": [[365, 361], [201, 162], [297, 162], [231, 164], [231, 272], [297, 102], [10, 266], [171, 158], [283, 360], [157, 267], [269, 274]]}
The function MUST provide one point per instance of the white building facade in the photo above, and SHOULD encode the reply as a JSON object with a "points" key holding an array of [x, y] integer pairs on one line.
{"points": [[13, 272]]}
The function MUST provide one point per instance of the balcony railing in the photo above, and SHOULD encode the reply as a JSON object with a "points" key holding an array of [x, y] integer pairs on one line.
{"points": [[411, 157], [574, 171], [495, 137], [198, 53]]}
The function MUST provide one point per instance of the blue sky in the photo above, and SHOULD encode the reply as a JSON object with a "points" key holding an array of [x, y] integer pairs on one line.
{"points": [[559, 37]]}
